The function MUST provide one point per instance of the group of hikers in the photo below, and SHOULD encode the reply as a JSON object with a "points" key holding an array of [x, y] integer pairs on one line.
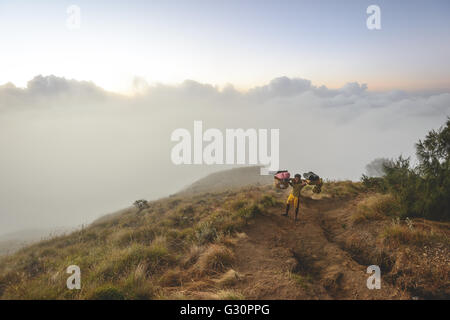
{"points": [[283, 181]]}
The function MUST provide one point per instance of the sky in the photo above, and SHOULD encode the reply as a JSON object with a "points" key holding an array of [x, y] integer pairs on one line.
{"points": [[86, 115], [246, 43]]}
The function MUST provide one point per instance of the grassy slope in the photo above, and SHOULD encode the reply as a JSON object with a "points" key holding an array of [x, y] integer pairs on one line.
{"points": [[233, 244], [228, 179]]}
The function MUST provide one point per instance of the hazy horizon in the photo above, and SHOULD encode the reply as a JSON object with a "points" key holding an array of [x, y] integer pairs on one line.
{"points": [[73, 151]]}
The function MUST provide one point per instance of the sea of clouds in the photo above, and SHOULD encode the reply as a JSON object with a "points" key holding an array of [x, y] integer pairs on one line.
{"points": [[71, 151]]}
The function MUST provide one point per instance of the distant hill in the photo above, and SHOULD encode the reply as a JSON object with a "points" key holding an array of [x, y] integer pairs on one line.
{"points": [[228, 179]]}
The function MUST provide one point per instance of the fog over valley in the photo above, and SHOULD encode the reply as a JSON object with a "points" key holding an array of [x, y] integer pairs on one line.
{"points": [[71, 151]]}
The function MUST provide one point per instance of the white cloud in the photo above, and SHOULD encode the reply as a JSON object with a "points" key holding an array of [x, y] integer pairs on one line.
{"points": [[72, 151]]}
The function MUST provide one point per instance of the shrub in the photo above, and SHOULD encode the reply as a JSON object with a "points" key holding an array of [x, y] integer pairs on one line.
{"points": [[423, 190], [377, 184]]}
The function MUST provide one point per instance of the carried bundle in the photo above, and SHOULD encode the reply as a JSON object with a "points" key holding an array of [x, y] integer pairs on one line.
{"points": [[281, 179], [315, 180]]}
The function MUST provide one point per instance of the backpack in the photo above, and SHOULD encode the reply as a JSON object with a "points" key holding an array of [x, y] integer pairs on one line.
{"points": [[311, 176], [283, 175], [314, 180], [281, 179]]}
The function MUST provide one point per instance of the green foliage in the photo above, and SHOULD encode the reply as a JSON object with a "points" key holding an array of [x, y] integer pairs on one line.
{"points": [[374, 183], [433, 153], [434, 167], [422, 190]]}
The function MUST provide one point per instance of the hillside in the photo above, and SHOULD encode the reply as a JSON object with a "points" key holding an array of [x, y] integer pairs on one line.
{"points": [[233, 244], [228, 179]]}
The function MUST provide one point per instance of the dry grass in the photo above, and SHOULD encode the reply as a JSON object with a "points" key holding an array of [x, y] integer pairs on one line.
{"points": [[182, 246], [216, 258], [341, 189], [192, 255], [172, 278], [230, 277], [375, 207], [230, 295], [137, 255], [398, 234]]}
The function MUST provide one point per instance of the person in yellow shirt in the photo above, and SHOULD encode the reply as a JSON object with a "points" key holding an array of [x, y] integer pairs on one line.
{"points": [[297, 185]]}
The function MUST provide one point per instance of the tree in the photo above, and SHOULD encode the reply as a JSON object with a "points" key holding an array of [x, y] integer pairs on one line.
{"points": [[433, 152], [434, 157], [424, 190]]}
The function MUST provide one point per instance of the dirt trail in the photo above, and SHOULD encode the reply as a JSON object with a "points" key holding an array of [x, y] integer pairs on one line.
{"points": [[276, 247]]}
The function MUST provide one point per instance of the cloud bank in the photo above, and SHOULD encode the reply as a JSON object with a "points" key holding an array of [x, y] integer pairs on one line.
{"points": [[72, 151]]}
